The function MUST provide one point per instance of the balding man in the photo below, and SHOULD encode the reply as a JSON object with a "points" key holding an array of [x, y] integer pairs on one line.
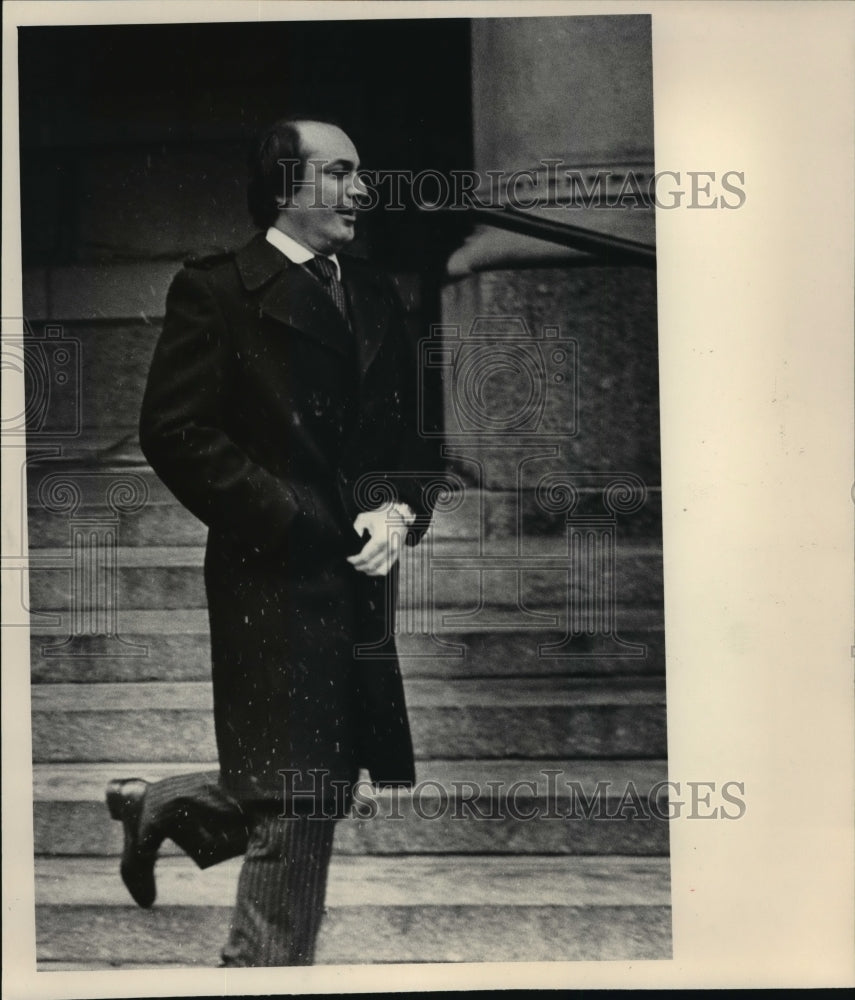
{"points": [[280, 409]]}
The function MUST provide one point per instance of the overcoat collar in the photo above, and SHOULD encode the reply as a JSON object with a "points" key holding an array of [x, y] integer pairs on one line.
{"points": [[294, 297], [258, 262]]}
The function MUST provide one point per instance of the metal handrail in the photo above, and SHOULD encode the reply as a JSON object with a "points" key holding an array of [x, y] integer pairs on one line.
{"points": [[616, 249]]}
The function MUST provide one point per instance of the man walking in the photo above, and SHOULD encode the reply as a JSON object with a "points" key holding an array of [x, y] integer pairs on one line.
{"points": [[281, 409]]}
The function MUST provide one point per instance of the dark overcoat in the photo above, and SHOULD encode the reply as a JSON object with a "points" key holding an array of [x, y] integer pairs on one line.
{"points": [[275, 423]]}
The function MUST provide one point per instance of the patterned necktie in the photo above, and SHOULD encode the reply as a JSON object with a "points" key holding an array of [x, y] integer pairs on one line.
{"points": [[325, 271]]}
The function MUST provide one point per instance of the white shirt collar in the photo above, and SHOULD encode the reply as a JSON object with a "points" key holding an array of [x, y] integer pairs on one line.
{"points": [[295, 251]]}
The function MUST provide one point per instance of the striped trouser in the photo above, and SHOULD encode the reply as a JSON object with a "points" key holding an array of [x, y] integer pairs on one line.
{"points": [[282, 884], [281, 890]]}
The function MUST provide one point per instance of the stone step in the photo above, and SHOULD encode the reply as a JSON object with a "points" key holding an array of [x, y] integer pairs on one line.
{"points": [[503, 502], [163, 521], [114, 965], [159, 519], [541, 580], [457, 807], [175, 646], [159, 522], [535, 718], [420, 909], [407, 881]]}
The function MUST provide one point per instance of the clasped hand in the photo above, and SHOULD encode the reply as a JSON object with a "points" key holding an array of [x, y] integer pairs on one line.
{"points": [[386, 528]]}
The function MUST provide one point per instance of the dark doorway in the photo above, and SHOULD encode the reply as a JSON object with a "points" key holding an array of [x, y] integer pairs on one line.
{"points": [[133, 137]]}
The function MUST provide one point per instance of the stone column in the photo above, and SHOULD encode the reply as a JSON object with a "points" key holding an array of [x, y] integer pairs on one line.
{"points": [[551, 357], [575, 88]]}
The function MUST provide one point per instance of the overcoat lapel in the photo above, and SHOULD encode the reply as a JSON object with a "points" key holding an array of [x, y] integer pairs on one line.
{"points": [[368, 315], [292, 295], [297, 299]]}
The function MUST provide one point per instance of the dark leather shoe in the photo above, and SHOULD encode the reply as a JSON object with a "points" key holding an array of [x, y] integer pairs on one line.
{"points": [[125, 800]]}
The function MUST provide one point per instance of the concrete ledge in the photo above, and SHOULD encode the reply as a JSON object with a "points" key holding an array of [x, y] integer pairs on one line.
{"points": [[99, 292], [128, 291]]}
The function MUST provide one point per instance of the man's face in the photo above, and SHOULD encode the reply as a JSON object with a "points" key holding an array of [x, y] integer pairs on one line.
{"points": [[321, 211]]}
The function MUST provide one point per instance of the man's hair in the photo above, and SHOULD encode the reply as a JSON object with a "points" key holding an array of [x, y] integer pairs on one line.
{"points": [[270, 181]]}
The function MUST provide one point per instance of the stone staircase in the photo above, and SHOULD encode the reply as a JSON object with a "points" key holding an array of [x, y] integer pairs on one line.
{"points": [[535, 832]]}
